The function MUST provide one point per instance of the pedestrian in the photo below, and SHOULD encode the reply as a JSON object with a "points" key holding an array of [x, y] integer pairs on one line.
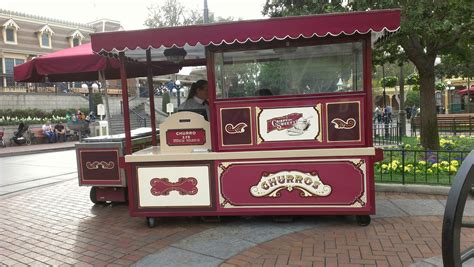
{"points": [[388, 113], [60, 132], [48, 131], [378, 114]]}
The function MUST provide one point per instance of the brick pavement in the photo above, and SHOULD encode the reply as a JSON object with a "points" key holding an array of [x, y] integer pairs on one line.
{"points": [[58, 226], [385, 242]]}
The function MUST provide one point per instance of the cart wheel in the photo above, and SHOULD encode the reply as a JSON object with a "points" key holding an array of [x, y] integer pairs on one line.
{"points": [[93, 196], [28, 142], [363, 220], [151, 221]]}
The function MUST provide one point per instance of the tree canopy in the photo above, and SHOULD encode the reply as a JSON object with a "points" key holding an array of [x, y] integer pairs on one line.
{"points": [[174, 13], [429, 28]]}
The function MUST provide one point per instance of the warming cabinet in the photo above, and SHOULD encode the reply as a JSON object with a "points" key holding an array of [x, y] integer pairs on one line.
{"points": [[289, 131]]}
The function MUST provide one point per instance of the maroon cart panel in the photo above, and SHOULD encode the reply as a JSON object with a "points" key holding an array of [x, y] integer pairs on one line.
{"points": [[100, 166], [290, 123], [304, 184]]}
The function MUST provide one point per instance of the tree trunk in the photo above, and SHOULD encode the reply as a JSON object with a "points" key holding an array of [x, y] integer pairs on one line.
{"points": [[429, 124]]}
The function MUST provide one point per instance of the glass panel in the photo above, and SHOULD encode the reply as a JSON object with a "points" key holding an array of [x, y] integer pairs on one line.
{"points": [[45, 40], [19, 61], [75, 42], [290, 70], [10, 35]]}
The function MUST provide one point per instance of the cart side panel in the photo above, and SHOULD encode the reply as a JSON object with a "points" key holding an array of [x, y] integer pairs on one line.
{"points": [[98, 164], [303, 184]]}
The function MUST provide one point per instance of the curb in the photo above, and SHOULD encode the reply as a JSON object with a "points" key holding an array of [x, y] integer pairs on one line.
{"points": [[413, 188], [29, 152]]}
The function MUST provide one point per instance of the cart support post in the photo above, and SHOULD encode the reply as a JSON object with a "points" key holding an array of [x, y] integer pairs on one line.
{"points": [[151, 94], [126, 111]]}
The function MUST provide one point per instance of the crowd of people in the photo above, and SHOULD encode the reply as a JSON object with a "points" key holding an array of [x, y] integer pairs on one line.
{"points": [[382, 115]]}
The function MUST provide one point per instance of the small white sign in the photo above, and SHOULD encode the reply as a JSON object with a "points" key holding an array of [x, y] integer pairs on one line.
{"points": [[169, 108], [101, 110]]}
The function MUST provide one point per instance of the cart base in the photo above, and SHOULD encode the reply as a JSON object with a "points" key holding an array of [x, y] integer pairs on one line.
{"points": [[108, 194]]}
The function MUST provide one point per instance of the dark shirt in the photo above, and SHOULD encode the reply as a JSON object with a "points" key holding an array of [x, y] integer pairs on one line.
{"points": [[59, 127]]}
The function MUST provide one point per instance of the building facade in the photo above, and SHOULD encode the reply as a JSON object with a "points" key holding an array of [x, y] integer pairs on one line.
{"points": [[25, 36]]}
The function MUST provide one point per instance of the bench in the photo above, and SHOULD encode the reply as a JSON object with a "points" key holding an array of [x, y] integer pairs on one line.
{"points": [[37, 136], [448, 123]]}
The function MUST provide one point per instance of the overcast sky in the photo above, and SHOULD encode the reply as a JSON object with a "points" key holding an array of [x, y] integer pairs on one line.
{"points": [[131, 13]]}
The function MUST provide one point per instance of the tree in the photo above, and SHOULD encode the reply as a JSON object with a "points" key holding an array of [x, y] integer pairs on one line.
{"points": [[428, 28], [173, 13]]}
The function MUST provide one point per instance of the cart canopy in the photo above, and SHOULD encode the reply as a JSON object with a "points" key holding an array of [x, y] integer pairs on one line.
{"points": [[194, 38], [79, 64]]}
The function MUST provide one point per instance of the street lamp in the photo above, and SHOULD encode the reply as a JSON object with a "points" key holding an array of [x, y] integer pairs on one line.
{"points": [[449, 89], [90, 86], [178, 89]]}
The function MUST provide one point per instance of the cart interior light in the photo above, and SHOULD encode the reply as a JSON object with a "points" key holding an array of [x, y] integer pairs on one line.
{"points": [[175, 55]]}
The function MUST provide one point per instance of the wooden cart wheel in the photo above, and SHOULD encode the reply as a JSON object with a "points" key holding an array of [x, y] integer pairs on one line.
{"points": [[93, 196], [151, 221], [363, 220]]}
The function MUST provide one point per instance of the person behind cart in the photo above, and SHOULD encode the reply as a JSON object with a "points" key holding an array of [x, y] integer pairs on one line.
{"points": [[60, 132], [48, 131], [197, 97]]}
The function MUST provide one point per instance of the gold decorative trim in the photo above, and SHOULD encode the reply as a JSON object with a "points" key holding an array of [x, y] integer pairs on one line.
{"points": [[257, 114], [341, 124], [224, 203], [93, 165], [319, 137], [224, 166]]}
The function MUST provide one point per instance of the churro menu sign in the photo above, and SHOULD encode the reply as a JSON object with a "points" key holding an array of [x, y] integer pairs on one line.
{"points": [[289, 124], [186, 137]]}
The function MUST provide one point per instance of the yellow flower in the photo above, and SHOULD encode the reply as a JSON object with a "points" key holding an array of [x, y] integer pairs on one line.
{"points": [[453, 169], [407, 146], [429, 171], [394, 166], [444, 163], [455, 163], [395, 161], [407, 169], [462, 136], [421, 162], [384, 166], [434, 166], [418, 171]]}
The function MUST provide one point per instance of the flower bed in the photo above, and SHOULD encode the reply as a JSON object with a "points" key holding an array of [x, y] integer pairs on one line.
{"points": [[411, 163]]}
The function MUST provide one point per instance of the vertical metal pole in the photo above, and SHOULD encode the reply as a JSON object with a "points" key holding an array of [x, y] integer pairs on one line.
{"points": [[126, 111], [206, 12], [91, 106], [151, 94]]}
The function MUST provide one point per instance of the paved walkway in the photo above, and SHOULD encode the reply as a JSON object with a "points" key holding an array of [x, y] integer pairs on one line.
{"points": [[58, 225], [15, 150]]}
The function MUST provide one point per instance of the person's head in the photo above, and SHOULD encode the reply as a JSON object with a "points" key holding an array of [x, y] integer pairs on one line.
{"points": [[199, 89], [263, 92]]}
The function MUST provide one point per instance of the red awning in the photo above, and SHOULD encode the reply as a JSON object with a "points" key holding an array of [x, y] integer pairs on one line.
{"points": [[335, 24], [465, 91], [79, 64]]}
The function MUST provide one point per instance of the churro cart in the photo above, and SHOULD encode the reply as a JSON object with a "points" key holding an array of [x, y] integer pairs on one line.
{"points": [[290, 127]]}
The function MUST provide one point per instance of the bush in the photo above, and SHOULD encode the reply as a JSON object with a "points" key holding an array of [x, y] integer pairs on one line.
{"points": [[413, 79], [389, 81], [34, 116]]}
